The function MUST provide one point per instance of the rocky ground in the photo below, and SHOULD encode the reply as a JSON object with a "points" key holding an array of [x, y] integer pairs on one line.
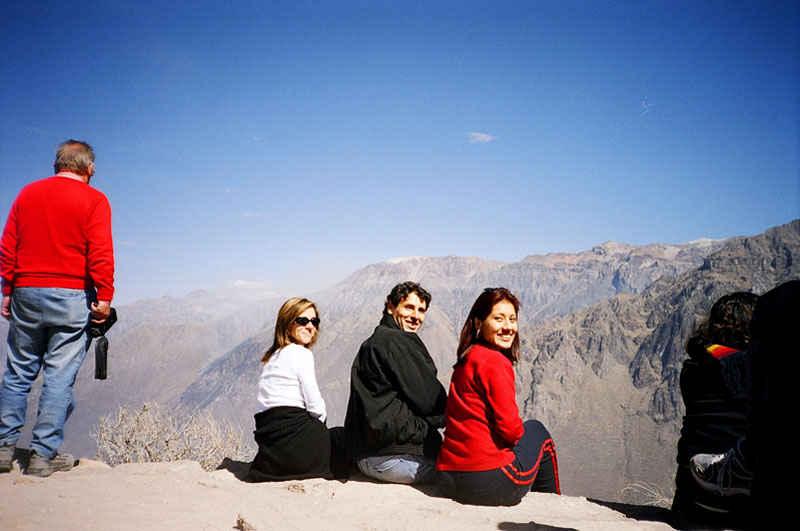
{"points": [[181, 495]]}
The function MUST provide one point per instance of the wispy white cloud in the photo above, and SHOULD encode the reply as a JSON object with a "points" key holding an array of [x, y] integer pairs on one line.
{"points": [[255, 138], [479, 138], [250, 284], [35, 129], [254, 214], [228, 190], [153, 246], [250, 289]]}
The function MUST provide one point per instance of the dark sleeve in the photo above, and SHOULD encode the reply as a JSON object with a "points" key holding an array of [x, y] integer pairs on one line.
{"points": [[407, 400], [417, 384]]}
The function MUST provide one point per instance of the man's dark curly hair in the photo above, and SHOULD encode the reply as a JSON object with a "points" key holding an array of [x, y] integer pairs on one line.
{"points": [[403, 290], [728, 322]]}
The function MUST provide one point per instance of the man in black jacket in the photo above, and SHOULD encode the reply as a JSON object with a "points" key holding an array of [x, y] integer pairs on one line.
{"points": [[396, 403]]}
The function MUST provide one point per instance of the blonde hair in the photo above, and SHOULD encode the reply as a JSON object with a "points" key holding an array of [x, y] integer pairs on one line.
{"points": [[290, 310]]}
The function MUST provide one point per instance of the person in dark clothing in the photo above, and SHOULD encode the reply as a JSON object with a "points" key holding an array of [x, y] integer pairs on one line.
{"points": [[396, 403], [761, 465], [714, 390]]}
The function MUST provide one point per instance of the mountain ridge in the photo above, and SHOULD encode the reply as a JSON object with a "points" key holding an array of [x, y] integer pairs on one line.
{"points": [[626, 352]]}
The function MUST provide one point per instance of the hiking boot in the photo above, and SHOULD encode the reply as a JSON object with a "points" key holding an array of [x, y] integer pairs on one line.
{"points": [[722, 474], [6, 456], [43, 467]]}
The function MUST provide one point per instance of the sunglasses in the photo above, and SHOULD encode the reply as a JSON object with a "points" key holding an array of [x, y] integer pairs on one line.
{"points": [[302, 321]]}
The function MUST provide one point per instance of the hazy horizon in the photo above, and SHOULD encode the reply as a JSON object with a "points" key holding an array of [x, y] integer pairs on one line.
{"points": [[245, 290]]}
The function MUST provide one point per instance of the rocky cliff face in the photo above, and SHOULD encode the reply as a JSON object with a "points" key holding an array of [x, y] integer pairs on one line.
{"points": [[605, 379]]}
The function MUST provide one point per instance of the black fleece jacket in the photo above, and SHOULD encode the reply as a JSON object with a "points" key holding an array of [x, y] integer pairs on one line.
{"points": [[715, 394], [396, 403]]}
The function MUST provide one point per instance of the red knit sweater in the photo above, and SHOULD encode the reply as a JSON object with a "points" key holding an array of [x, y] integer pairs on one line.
{"points": [[483, 423], [58, 235]]}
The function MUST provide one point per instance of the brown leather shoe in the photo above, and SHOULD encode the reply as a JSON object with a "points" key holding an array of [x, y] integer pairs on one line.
{"points": [[43, 467], [6, 457]]}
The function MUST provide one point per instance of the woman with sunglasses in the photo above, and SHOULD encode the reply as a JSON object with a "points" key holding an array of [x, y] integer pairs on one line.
{"points": [[489, 456], [293, 442]]}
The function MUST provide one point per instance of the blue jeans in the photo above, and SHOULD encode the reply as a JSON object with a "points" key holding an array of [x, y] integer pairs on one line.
{"points": [[48, 327], [404, 468]]}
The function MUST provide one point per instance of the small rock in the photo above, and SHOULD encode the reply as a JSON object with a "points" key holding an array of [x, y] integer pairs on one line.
{"points": [[243, 525], [296, 487]]}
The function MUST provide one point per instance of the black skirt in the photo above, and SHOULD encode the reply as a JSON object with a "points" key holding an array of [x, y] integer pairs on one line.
{"points": [[291, 445]]}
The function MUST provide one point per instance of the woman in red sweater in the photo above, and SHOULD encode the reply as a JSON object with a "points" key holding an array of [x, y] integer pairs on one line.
{"points": [[489, 456]]}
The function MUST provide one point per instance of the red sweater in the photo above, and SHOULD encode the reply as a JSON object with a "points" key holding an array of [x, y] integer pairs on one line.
{"points": [[483, 423], [58, 235]]}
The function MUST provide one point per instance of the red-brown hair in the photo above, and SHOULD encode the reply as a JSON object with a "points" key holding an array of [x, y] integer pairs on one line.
{"points": [[481, 309]]}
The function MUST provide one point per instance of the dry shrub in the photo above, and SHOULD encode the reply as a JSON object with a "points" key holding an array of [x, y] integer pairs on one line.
{"points": [[153, 434], [650, 494]]}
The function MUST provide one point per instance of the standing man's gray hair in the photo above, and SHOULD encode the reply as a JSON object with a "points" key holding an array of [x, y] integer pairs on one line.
{"points": [[74, 155]]}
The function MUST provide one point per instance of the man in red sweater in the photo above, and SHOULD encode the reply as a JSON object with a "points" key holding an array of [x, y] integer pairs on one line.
{"points": [[57, 268]]}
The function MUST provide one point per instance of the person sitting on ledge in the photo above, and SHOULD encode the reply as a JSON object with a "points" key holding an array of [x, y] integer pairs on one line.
{"points": [[396, 403], [714, 389], [756, 472], [489, 456], [293, 442]]}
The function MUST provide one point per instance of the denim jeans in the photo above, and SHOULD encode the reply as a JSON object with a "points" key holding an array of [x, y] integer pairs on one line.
{"points": [[48, 327], [404, 468]]}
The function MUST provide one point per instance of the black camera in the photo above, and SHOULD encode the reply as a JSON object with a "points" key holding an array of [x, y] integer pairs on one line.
{"points": [[99, 330]]}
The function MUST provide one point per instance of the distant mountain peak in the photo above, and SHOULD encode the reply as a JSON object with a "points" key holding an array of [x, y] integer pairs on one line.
{"points": [[197, 294], [612, 247], [704, 242], [403, 259]]}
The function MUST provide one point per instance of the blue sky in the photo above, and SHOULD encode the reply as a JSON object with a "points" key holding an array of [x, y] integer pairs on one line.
{"points": [[285, 144]]}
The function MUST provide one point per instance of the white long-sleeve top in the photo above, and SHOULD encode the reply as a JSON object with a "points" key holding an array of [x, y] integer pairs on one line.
{"points": [[288, 379]]}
